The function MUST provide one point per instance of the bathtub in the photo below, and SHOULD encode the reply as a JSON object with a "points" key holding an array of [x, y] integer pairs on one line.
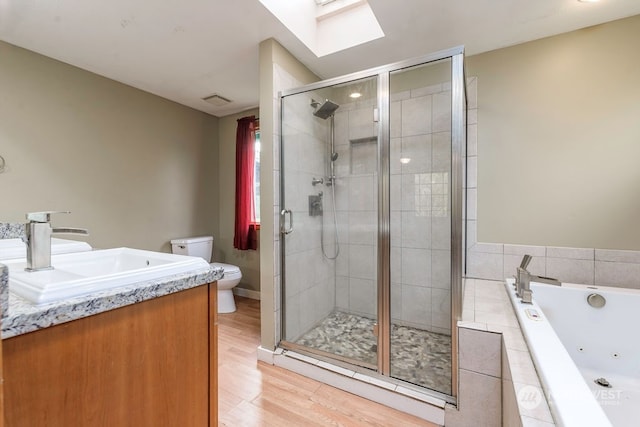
{"points": [[573, 344]]}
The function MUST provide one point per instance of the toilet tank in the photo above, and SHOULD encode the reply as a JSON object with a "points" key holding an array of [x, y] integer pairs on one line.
{"points": [[193, 246]]}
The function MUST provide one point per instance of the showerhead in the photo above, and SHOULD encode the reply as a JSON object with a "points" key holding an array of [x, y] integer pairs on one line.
{"points": [[326, 110], [334, 157]]}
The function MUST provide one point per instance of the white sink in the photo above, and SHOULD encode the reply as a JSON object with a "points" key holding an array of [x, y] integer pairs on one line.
{"points": [[82, 273], [16, 248]]}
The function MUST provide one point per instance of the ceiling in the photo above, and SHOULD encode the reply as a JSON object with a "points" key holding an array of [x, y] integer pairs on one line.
{"points": [[185, 50]]}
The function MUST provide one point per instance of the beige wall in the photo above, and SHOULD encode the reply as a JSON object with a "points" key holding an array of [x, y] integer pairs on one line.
{"points": [[271, 54], [133, 168], [248, 261], [559, 139]]}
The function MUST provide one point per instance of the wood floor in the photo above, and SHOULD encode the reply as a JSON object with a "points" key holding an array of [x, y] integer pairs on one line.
{"points": [[255, 394]]}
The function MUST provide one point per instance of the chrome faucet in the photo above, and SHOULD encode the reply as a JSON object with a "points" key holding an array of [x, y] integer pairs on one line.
{"points": [[38, 239], [524, 279]]}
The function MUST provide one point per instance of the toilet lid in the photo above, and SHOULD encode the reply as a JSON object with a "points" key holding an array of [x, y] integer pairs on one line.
{"points": [[228, 268]]}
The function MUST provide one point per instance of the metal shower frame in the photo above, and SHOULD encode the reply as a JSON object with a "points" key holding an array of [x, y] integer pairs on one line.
{"points": [[458, 146]]}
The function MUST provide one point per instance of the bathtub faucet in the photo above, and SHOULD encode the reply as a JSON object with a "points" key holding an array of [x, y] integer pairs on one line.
{"points": [[524, 279], [38, 239]]}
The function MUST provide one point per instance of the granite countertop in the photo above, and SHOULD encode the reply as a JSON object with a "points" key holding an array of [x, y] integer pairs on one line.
{"points": [[20, 316]]}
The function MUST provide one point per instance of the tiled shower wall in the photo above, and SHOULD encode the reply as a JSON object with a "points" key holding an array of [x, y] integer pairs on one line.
{"points": [[420, 259], [496, 261], [420, 217], [310, 287], [356, 204], [420, 208]]}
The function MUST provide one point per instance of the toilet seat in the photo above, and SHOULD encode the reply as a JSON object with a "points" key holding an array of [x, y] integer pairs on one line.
{"points": [[230, 271]]}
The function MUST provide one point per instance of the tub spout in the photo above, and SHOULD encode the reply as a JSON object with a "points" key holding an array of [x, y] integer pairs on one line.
{"points": [[524, 279]]}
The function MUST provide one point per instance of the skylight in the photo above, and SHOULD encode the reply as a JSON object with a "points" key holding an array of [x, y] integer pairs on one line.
{"points": [[327, 26]]}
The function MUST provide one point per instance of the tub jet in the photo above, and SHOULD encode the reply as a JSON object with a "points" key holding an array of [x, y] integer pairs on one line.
{"points": [[602, 382]]}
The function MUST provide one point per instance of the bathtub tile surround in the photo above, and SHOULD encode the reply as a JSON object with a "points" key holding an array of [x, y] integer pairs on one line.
{"points": [[21, 317], [478, 401], [617, 268], [12, 230], [479, 351], [487, 310], [587, 266]]}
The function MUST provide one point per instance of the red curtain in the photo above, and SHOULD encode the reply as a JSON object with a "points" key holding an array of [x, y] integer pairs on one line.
{"points": [[245, 236]]}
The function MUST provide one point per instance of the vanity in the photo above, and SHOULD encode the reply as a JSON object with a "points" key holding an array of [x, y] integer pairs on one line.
{"points": [[143, 354]]}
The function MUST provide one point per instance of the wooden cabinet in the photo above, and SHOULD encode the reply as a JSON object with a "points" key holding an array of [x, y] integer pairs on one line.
{"points": [[149, 364], [1, 391]]}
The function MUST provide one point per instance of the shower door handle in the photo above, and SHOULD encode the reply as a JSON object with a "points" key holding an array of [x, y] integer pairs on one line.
{"points": [[283, 214]]}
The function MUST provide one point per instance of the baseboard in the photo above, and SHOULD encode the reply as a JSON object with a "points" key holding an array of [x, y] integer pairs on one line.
{"points": [[247, 293], [265, 355]]}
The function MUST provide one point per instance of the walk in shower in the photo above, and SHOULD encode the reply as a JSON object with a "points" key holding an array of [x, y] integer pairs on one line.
{"points": [[371, 220]]}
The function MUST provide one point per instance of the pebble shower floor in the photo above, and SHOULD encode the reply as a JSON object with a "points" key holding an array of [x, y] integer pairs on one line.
{"points": [[417, 356]]}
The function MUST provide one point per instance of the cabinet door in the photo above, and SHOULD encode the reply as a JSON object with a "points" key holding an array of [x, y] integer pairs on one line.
{"points": [[213, 354], [1, 390], [142, 365]]}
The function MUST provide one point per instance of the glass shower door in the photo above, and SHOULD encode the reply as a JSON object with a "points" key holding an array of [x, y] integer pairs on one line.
{"points": [[371, 240], [420, 225], [329, 187]]}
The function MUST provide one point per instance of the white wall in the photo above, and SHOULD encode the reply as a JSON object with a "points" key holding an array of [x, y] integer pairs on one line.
{"points": [[133, 168], [558, 139]]}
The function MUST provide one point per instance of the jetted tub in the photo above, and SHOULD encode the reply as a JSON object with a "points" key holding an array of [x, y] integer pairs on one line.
{"points": [[587, 357]]}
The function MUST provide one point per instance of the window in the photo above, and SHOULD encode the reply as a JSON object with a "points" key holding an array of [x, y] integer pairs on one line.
{"points": [[246, 220]]}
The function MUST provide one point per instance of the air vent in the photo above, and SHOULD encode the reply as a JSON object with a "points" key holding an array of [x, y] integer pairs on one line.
{"points": [[217, 100]]}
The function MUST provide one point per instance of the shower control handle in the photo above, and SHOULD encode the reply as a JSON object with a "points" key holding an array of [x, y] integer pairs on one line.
{"points": [[283, 214]]}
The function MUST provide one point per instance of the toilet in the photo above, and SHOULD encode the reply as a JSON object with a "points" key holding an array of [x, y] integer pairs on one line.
{"points": [[202, 247]]}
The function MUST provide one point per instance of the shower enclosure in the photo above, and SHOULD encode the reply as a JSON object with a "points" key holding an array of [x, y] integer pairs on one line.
{"points": [[371, 193]]}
